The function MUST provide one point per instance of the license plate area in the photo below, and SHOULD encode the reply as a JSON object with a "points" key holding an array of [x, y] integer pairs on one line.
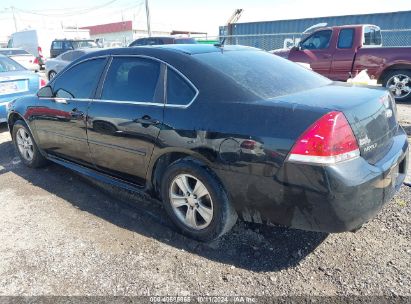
{"points": [[13, 87]]}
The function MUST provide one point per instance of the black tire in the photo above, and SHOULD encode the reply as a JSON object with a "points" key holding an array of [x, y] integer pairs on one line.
{"points": [[51, 75], [224, 216], [393, 73], [37, 160]]}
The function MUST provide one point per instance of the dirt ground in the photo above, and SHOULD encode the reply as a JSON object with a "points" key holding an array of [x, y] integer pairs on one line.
{"points": [[61, 234]]}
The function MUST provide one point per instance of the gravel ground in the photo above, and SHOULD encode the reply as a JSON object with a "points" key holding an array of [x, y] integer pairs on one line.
{"points": [[62, 234]]}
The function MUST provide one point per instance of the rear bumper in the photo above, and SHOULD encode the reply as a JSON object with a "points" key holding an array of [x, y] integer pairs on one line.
{"points": [[334, 198], [3, 111], [349, 194]]}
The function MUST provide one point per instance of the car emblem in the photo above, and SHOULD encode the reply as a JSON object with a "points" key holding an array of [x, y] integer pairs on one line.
{"points": [[364, 141]]}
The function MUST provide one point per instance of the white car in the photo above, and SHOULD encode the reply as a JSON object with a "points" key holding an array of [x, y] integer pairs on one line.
{"points": [[29, 61]]}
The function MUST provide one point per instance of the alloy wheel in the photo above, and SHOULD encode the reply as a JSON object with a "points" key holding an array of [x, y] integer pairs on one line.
{"points": [[399, 85], [25, 144], [191, 201]]}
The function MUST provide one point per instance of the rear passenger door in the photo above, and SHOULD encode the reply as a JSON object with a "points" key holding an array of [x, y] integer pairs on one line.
{"points": [[124, 122], [344, 54]]}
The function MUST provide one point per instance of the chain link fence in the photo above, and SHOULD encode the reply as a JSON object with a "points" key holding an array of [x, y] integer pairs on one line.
{"points": [[287, 40]]}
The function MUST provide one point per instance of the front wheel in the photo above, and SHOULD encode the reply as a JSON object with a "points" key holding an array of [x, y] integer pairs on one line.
{"points": [[399, 84], [196, 201], [26, 146]]}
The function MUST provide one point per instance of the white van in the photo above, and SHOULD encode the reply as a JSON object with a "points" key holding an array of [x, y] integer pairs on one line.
{"points": [[38, 41]]}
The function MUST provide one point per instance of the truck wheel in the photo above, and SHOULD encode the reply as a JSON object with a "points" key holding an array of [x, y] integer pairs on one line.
{"points": [[399, 84], [196, 201]]}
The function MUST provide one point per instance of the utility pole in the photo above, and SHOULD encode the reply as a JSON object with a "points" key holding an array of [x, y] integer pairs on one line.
{"points": [[148, 19], [14, 17]]}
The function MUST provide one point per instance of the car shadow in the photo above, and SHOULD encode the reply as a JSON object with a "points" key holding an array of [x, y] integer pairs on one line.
{"points": [[3, 127], [248, 246]]}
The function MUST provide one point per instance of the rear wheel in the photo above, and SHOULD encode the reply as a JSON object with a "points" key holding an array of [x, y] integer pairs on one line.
{"points": [[399, 84], [196, 201], [52, 74], [26, 146]]}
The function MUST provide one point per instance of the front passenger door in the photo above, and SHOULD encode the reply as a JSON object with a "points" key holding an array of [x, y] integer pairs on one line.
{"points": [[124, 123], [61, 120], [316, 51]]}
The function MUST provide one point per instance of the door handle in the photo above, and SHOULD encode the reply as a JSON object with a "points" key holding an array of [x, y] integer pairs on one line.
{"points": [[146, 120], [76, 113], [60, 100]]}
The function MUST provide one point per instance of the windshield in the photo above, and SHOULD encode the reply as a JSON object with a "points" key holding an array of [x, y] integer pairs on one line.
{"points": [[84, 44], [13, 52], [265, 75], [9, 65]]}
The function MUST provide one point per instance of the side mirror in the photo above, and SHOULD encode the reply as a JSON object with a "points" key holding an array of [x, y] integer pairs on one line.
{"points": [[296, 47], [45, 92]]}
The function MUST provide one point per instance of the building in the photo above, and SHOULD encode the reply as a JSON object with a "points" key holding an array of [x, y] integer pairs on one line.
{"points": [[268, 35], [119, 33]]}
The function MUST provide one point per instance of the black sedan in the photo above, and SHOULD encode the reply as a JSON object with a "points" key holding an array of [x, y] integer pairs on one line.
{"points": [[219, 132]]}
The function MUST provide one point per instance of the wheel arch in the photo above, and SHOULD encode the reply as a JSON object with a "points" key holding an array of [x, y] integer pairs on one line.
{"points": [[393, 67], [162, 161], [12, 118]]}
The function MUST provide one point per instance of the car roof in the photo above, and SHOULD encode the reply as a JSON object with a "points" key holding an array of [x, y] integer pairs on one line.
{"points": [[189, 49]]}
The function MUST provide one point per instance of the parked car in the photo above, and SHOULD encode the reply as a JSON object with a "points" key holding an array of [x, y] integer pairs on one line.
{"points": [[163, 40], [60, 46], [180, 122], [22, 57], [341, 51], [15, 81], [55, 65]]}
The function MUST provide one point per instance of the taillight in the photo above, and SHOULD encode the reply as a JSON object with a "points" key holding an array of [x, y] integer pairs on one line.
{"points": [[248, 144], [42, 82], [328, 141]]}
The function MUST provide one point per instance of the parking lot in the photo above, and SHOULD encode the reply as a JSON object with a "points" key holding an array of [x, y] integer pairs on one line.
{"points": [[64, 235]]}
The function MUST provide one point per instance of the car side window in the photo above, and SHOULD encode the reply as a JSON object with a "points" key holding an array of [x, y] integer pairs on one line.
{"points": [[67, 56], [345, 39], [372, 36], [57, 45], [179, 91], [317, 41], [67, 45], [80, 81], [133, 79]]}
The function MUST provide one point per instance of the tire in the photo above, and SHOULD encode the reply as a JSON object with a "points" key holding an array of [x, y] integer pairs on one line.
{"points": [[205, 229], [51, 75], [391, 84], [24, 141]]}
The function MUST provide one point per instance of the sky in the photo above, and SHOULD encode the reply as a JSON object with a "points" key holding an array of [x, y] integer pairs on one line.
{"points": [[188, 15]]}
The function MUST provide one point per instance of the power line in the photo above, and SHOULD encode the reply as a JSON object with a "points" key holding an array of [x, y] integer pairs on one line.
{"points": [[73, 13]]}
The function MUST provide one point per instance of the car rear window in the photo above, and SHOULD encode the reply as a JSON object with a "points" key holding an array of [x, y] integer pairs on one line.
{"points": [[261, 73], [179, 91], [9, 65]]}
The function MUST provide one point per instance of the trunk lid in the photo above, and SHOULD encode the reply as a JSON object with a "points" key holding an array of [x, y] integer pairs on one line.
{"points": [[371, 113]]}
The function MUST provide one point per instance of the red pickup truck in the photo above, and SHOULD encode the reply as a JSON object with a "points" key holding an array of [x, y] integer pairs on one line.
{"points": [[340, 52]]}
